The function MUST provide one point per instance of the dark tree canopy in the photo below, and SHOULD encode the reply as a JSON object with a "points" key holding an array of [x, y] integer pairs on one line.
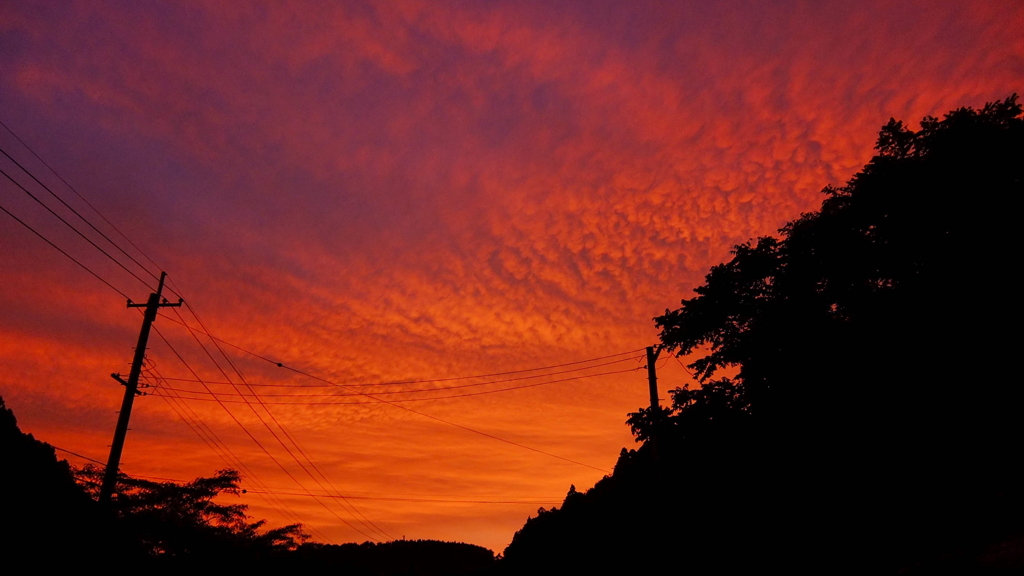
{"points": [[886, 308], [46, 520], [927, 219], [852, 409], [191, 521]]}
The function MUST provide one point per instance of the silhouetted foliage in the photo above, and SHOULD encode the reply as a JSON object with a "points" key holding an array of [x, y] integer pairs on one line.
{"points": [[868, 423], [397, 558], [48, 522], [190, 522]]}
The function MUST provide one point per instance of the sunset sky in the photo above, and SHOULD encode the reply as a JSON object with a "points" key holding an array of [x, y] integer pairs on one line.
{"points": [[402, 190]]}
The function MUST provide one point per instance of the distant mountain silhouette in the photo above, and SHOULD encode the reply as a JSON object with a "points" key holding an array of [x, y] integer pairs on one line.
{"points": [[400, 557], [874, 424]]}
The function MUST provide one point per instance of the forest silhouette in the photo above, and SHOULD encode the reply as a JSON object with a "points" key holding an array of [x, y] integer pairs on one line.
{"points": [[853, 409], [851, 412]]}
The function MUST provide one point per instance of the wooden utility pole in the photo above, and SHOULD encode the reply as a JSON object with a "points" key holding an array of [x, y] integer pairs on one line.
{"points": [[131, 387], [652, 385], [652, 376]]}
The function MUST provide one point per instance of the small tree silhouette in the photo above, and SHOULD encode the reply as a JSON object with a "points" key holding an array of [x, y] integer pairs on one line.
{"points": [[174, 520]]}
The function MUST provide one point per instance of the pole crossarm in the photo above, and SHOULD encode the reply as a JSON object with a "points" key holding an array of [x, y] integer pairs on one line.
{"points": [[124, 382]]}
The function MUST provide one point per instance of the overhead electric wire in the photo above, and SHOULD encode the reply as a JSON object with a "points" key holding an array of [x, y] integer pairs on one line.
{"points": [[425, 415], [684, 367], [172, 403], [522, 500], [460, 426], [76, 454], [204, 432], [280, 505], [76, 213], [229, 458], [400, 400], [58, 249], [80, 196], [518, 378], [264, 492], [265, 451], [76, 230], [207, 435], [361, 518], [256, 441], [439, 500], [365, 521], [396, 382]]}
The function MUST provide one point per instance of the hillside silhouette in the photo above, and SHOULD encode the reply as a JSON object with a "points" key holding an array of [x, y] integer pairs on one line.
{"points": [[51, 520], [854, 411], [399, 557], [48, 521]]}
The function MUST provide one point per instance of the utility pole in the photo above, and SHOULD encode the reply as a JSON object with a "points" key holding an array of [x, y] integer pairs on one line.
{"points": [[131, 387], [652, 376], [652, 384]]}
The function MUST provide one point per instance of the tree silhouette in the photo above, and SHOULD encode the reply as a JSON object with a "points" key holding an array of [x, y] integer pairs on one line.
{"points": [[177, 521], [867, 422], [47, 522]]}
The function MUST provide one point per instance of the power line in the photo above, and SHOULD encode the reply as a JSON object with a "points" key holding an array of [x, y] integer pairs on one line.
{"points": [[76, 230], [275, 492], [684, 367], [278, 492], [401, 400], [396, 382], [256, 441], [301, 386], [76, 454], [268, 491], [447, 501], [274, 502], [80, 196], [281, 506], [365, 521], [58, 249], [76, 213], [425, 415], [197, 427], [263, 493], [460, 426]]}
